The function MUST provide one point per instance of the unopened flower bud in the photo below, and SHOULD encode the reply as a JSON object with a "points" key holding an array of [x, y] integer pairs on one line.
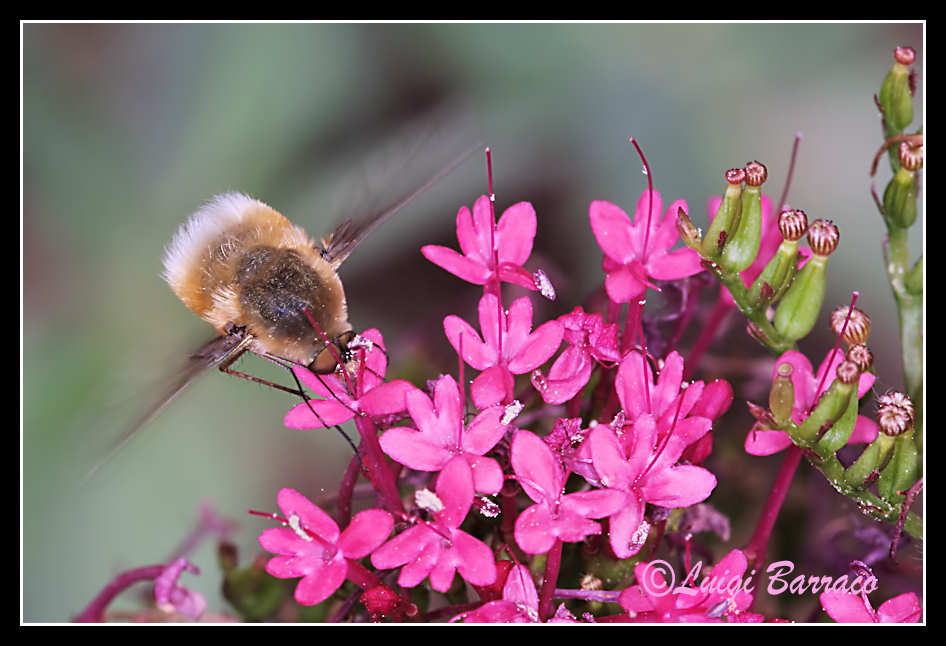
{"points": [[848, 372], [782, 394], [742, 246], [900, 400], [861, 356], [727, 215], [896, 93], [823, 237], [858, 326], [900, 194], [893, 420], [798, 310], [792, 224]]}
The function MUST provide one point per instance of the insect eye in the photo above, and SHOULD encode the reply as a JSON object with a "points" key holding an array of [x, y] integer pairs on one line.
{"points": [[327, 360]]}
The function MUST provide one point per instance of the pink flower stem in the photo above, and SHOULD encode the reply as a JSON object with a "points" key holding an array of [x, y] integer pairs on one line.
{"points": [[361, 576], [379, 471], [710, 331], [553, 562], [604, 596], [346, 490], [95, 611], [510, 510], [755, 551]]}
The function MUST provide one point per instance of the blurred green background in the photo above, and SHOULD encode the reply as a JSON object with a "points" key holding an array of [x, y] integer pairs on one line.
{"points": [[128, 128]]}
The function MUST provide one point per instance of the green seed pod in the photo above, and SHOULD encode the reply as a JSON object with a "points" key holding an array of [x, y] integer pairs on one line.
{"points": [[780, 271], [840, 432], [901, 472], [874, 458], [799, 308], [742, 246], [727, 215], [900, 198], [896, 95], [782, 395], [831, 406]]}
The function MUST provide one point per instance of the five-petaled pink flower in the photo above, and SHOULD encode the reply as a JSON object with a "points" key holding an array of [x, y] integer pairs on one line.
{"points": [[556, 515], [643, 467], [312, 547], [439, 549], [441, 435], [720, 595], [507, 346], [519, 605], [373, 396], [848, 608], [511, 239], [591, 340], [763, 441], [634, 255]]}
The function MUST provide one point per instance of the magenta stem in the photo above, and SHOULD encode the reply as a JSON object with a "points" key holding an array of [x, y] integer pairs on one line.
{"points": [[346, 490], [553, 563], [379, 471], [755, 551], [95, 611]]}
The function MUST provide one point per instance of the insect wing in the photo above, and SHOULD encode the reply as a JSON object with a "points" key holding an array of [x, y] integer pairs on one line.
{"points": [[211, 355]]}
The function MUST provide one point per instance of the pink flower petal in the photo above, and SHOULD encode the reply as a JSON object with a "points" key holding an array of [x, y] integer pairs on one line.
{"points": [[455, 490], [414, 449], [486, 429], [487, 474], [316, 521], [675, 264], [492, 386], [387, 398], [320, 585], [467, 343], [625, 538], [623, 286], [474, 559], [515, 233], [766, 442], [537, 469], [329, 411], [846, 608], [680, 486], [367, 530], [902, 609], [612, 229], [457, 264]]}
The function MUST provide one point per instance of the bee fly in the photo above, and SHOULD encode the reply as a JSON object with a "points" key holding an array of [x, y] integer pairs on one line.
{"points": [[265, 287]]}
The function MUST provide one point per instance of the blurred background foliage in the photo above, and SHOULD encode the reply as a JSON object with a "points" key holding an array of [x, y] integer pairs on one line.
{"points": [[127, 128]]}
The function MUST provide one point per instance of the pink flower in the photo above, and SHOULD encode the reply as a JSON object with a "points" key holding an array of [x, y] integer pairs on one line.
{"points": [[372, 395], [720, 595], [845, 607], [635, 255], [771, 239], [519, 605], [312, 547], [667, 398], [173, 597], [512, 237], [439, 548], [643, 468], [762, 441], [441, 435], [506, 348], [591, 340], [555, 515]]}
